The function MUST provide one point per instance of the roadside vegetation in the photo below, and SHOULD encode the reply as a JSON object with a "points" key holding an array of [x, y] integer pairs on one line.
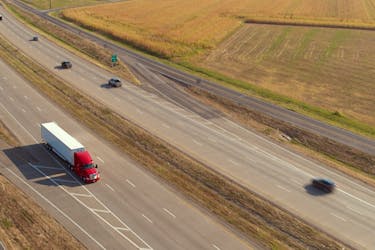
{"points": [[324, 73], [90, 50], [23, 223], [54, 4], [255, 217]]}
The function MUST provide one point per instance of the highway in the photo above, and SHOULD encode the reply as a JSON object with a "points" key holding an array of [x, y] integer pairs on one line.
{"points": [[135, 60], [246, 157], [127, 209]]}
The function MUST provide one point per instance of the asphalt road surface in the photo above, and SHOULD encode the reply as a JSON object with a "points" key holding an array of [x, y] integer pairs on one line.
{"points": [[127, 209], [334, 133], [248, 158]]}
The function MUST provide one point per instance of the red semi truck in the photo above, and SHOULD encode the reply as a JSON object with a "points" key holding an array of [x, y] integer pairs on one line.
{"points": [[71, 151]]}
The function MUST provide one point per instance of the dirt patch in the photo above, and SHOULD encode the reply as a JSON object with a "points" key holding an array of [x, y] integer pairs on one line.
{"points": [[7, 136], [25, 225]]}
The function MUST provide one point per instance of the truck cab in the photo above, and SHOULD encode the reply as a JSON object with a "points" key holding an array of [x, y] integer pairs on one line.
{"points": [[84, 167]]}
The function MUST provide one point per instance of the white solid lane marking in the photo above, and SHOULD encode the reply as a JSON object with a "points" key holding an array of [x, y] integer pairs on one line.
{"points": [[197, 142], [341, 218], [283, 188], [60, 186], [123, 229], [130, 183], [109, 187], [216, 247], [100, 159], [101, 211], [58, 209], [144, 216], [358, 199], [83, 195], [169, 212]]}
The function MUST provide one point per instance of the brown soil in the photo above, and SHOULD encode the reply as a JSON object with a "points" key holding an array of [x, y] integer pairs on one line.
{"points": [[25, 225]]}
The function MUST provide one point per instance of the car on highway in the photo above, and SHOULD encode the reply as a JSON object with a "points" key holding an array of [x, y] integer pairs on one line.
{"points": [[114, 82], [66, 65], [323, 184], [35, 38], [1, 17]]}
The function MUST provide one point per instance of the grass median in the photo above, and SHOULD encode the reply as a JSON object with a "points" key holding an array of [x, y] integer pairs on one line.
{"points": [[245, 211], [76, 43]]}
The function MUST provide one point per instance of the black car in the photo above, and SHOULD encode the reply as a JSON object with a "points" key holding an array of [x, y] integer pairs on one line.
{"points": [[35, 38], [114, 82], [66, 65], [324, 184]]}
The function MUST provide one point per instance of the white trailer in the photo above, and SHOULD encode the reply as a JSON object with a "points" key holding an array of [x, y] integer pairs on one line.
{"points": [[63, 144]]}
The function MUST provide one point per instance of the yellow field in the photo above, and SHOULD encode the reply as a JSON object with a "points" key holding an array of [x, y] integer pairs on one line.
{"points": [[329, 68], [173, 28]]}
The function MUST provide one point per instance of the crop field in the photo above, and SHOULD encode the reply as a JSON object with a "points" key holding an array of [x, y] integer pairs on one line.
{"points": [[329, 68], [174, 28]]}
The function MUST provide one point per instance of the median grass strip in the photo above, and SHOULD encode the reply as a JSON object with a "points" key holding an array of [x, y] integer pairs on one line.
{"points": [[238, 207], [7, 136], [90, 49]]}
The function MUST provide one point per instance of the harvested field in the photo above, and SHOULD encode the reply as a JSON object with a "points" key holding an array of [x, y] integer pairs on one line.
{"points": [[179, 28], [326, 68], [329, 68]]}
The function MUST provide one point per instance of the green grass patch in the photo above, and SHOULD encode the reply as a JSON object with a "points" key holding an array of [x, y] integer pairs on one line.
{"points": [[332, 117], [306, 40], [6, 223], [338, 38]]}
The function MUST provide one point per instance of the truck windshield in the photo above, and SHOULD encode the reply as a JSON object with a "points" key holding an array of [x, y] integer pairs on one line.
{"points": [[88, 166]]}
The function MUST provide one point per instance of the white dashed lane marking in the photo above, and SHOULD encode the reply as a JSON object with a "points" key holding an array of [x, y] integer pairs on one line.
{"points": [[169, 212], [144, 216], [130, 183]]}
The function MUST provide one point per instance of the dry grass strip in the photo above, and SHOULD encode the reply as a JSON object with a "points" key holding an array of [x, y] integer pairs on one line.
{"points": [[340, 152], [85, 46], [243, 210]]}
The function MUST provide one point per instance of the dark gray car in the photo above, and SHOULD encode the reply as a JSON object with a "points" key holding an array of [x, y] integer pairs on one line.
{"points": [[114, 82]]}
